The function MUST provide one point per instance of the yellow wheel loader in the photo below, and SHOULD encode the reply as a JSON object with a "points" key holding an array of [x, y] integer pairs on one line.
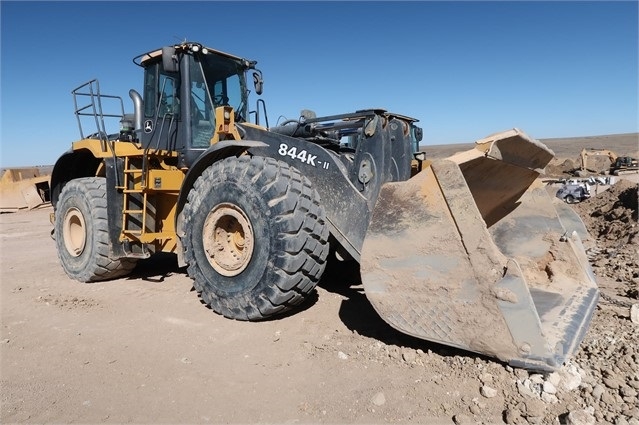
{"points": [[469, 251]]}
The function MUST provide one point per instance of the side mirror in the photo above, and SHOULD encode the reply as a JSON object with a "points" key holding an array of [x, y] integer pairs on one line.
{"points": [[169, 59], [258, 82], [420, 156]]}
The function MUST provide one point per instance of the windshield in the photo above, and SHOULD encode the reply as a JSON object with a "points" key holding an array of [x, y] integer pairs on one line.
{"points": [[215, 81], [221, 78]]}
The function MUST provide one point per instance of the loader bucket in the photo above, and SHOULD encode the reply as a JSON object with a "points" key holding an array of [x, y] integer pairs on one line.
{"points": [[21, 188], [472, 253]]}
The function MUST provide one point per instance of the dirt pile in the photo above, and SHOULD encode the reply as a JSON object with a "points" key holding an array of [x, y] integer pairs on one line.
{"points": [[615, 207], [611, 217], [610, 353], [561, 168], [599, 164], [601, 383]]}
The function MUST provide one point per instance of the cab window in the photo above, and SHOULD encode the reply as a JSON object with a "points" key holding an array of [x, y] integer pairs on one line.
{"points": [[160, 93]]}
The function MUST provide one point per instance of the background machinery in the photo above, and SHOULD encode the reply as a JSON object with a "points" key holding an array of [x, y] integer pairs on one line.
{"points": [[469, 251], [24, 187], [573, 193], [605, 161]]}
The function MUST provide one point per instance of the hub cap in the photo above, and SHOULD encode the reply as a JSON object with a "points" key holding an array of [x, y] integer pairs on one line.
{"points": [[74, 232], [228, 239]]}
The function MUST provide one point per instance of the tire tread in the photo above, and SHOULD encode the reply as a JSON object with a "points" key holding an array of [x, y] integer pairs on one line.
{"points": [[303, 236]]}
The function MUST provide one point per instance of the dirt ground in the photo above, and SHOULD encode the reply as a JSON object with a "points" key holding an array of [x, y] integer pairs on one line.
{"points": [[144, 349]]}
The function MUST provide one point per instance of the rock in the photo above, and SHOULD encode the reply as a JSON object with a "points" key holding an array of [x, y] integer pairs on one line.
{"points": [[487, 391], [342, 356], [379, 399], [633, 412], [526, 390], [394, 353], [512, 416], [521, 374], [549, 398], [554, 378], [628, 392], [486, 378], [608, 398], [535, 408], [461, 419], [612, 383], [409, 356], [598, 391], [537, 379], [621, 421], [570, 377], [634, 313], [580, 417], [549, 388], [607, 372]]}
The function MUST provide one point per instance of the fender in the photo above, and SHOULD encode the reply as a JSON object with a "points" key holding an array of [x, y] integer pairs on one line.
{"points": [[72, 165], [218, 151]]}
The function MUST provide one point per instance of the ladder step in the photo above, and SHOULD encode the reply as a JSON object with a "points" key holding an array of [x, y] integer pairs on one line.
{"points": [[148, 237], [133, 211], [133, 190]]}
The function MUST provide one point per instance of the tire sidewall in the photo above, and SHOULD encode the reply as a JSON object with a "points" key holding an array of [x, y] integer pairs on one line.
{"points": [[73, 197], [244, 195]]}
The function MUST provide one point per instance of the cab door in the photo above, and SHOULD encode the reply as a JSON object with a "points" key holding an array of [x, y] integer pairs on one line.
{"points": [[162, 115]]}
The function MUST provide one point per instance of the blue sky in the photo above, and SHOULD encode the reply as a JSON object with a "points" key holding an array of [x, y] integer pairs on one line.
{"points": [[464, 69]]}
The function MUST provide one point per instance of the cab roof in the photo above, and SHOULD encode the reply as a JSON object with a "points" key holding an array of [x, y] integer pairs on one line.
{"points": [[189, 46]]}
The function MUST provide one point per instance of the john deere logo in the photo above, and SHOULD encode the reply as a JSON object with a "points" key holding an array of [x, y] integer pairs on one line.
{"points": [[148, 126]]}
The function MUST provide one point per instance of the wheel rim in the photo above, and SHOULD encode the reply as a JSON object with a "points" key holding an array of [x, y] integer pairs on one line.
{"points": [[74, 232], [228, 239]]}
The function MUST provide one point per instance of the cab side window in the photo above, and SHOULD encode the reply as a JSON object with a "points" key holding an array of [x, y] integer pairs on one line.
{"points": [[169, 103], [160, 93], [150, 90]]}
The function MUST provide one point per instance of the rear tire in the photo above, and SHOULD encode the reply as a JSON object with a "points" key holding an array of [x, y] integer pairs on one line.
{"points": [[82, 232], [255, 237]]}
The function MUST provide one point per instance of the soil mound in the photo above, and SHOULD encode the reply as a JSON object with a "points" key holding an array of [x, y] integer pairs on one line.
{"points": [[611, 216]]}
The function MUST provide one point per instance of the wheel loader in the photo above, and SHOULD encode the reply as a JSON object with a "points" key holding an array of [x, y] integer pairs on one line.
{"points": [[469, 251]]}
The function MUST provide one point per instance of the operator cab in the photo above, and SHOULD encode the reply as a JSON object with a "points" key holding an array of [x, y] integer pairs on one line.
{"points": [[183, 85]]}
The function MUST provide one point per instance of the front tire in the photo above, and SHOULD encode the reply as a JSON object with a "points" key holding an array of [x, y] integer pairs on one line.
{"points": [[82, 232], [255, 237]]}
